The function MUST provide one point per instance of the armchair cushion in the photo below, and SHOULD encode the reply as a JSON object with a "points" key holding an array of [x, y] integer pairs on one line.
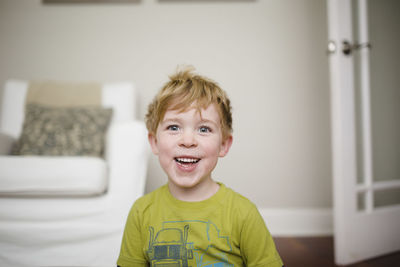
{"points": [[63, 131], [52, 176]]}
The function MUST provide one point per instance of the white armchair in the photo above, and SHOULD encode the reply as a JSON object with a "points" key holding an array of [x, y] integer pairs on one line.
{"points": [[69, 210]]}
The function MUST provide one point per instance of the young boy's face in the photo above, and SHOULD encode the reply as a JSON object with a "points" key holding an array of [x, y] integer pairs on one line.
{"points": [[188, 145]]}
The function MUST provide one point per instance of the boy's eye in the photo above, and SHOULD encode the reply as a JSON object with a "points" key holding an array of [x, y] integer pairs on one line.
{"points": [[173, 127], [204, 129]]}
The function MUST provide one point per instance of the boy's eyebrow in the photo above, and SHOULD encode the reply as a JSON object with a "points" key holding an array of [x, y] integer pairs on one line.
{"points": [[208, 121], [169, 120], [177, 120]]}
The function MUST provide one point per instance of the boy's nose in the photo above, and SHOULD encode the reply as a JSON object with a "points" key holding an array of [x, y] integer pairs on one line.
{"points": [[188, 139]]}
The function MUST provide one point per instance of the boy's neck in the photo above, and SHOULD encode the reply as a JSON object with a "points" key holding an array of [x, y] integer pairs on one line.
{"points": [[200, 192]]}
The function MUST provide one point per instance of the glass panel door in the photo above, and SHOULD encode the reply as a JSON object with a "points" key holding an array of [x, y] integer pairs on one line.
{"points": [[365, 115]]}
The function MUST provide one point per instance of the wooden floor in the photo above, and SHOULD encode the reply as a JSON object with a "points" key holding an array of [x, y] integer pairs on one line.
{"points": [[318, 252]]}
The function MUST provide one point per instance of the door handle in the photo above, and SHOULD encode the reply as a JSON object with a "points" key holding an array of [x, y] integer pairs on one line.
{"points": [[347, 47]]}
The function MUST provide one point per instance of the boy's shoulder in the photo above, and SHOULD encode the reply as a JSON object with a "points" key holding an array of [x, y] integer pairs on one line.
{"points": [[149, 199], [240, 201]]}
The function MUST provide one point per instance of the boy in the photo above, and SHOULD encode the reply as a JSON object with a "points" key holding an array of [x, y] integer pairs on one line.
{"points": [[193, 220]]}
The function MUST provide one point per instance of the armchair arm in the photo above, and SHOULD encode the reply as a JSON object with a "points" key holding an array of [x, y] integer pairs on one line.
{"points": [[127, 153], [6, 142]]}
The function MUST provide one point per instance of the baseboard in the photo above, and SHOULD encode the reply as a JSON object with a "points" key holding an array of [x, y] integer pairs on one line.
{"points": [[298, 222]]}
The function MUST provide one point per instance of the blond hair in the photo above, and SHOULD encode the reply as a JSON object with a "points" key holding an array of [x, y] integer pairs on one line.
{"points": [[183, 89]]}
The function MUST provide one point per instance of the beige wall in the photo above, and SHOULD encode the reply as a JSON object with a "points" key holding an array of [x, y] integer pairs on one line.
{"points": [[269, 55]]}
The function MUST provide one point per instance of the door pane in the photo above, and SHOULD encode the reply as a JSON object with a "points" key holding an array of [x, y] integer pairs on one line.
{"points": [[386, 197], [384, 33]]}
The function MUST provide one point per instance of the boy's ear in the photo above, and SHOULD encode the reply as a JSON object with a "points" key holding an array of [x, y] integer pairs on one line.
{"points": [[225, 146], [153, 143]]}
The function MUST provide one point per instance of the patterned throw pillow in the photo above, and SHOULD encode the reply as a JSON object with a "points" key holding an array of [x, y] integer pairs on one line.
{"points": [[63, 131]]}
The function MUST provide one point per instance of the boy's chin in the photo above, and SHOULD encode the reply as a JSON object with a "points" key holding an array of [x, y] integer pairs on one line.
{"points": [[186, 183], [183, 184]]}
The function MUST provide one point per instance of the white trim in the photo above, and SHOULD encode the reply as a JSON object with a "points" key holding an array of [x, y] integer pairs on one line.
{"points": [[382, 185], [298, 222], [365, 104]]}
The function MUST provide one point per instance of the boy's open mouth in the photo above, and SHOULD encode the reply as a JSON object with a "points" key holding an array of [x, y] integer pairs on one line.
{"points": [[187, 161]]}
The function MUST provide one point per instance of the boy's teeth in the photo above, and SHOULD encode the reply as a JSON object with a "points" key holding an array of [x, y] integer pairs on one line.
{"points": [[187, 160]]}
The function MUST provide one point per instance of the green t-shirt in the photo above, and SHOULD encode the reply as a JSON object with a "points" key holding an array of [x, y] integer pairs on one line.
{"points": [[224, 230]]}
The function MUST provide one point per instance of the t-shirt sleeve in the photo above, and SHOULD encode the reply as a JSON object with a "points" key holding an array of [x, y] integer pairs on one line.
{"points": [[131, 253], [256, 243]]}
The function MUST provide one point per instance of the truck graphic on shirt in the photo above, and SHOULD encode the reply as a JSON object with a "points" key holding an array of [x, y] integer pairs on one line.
{"points": [[170, 247]]}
